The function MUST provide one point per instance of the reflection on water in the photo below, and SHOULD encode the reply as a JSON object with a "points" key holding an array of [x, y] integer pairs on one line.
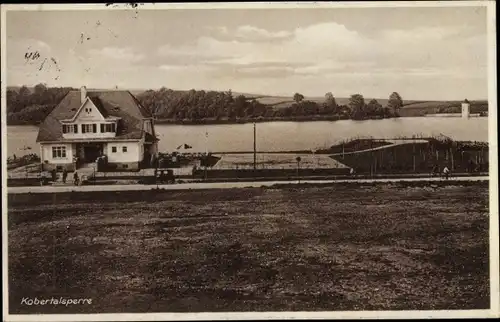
{"points": [[284, 136]]}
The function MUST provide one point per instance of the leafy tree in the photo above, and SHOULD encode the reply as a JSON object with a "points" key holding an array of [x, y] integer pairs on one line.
{"points": [[40, 89], [357, 106], [297, 97], [330, 99], [24, 91], [373, 108], [395, 102]]}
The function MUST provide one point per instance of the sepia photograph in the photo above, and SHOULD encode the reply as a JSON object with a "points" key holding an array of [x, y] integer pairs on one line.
{"points": [[249, 161]]}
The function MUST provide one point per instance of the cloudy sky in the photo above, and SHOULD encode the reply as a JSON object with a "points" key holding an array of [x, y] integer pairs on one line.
{"points": [[423, 53]]}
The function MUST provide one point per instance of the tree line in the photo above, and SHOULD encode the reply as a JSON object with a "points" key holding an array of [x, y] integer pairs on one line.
{"points": [[25, 106], [194, 105], [31, 106]]}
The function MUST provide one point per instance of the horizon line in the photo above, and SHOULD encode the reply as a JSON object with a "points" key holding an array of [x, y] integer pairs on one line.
{"points": [[242, 92]]}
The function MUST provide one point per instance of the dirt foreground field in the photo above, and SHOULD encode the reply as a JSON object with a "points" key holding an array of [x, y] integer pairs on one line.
{"points": [[338, 247]]}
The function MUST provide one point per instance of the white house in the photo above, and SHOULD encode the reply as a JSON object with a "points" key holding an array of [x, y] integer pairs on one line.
{"points": [[88, 124]]}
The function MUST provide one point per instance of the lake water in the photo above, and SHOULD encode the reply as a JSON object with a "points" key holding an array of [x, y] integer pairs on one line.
{"points": [[284, 136]]}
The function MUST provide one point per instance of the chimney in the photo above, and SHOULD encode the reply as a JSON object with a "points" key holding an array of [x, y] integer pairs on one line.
{"points": [[83, 93]]}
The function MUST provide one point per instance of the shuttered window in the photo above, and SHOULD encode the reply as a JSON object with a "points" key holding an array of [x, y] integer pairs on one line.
{"points": [[89, 128], [108, 128], [72, 128]]}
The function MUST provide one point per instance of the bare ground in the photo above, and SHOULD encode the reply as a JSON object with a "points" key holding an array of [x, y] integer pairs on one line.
{"points": [[370, 247]]}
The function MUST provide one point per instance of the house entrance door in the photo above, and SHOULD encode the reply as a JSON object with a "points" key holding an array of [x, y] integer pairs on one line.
{"points": [[92, 152]]}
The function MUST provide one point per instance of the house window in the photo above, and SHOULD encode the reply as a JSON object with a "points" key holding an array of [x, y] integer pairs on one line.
{"points": [[58, 152], [89, 128], [124, 149], [108, 128], [88, 110], [113, 149], [73, 128]]}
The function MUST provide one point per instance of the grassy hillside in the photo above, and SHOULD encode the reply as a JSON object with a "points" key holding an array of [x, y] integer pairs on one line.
{"points": [[410, 108], [420, 108]]}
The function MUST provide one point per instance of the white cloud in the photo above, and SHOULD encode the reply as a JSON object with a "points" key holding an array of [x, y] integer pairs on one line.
{"points": [[251, 33], [331, 46], [309, 45], [254, 32], [117, 53], [185, 68], [320, 57]]}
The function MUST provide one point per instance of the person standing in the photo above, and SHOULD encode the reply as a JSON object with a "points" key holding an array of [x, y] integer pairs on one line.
{"points": [[75, 178], [64, 175], [446, 172], [54, 175], [435, 170]]}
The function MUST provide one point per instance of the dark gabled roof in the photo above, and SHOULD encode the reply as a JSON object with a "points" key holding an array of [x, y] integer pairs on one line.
{"points": [[97, 102], [120, 104]]}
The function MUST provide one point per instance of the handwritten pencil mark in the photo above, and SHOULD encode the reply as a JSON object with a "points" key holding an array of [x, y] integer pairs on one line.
{"points": [[31, 55], [55, 63], [43, 63]]}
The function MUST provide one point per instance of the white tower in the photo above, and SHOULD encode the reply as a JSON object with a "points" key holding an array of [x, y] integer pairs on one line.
{"points": [[465, 109]]}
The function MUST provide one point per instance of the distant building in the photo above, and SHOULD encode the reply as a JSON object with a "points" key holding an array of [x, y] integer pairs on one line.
{"points": [[86, 125], [465, 109]]}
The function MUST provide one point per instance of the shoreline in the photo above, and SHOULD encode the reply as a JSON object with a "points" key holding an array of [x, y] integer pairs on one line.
{"points": [[270, 119], [212, 121]]}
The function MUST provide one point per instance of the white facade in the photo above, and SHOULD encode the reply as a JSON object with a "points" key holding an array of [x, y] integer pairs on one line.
{"points": [[117, 152], [465, 110], [84, 120], [52, 153], [124, 151]]}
